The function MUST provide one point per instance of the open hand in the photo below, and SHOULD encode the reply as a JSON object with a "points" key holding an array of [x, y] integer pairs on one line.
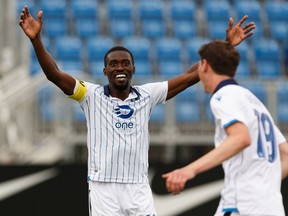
{"points": [[235, 35], [29, 25]]}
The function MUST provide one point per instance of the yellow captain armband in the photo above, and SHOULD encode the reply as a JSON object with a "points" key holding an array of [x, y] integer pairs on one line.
{"points": [[79, 91]]}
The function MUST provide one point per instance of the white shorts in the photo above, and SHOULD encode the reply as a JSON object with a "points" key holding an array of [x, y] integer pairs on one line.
{"points": [[116, 199]]}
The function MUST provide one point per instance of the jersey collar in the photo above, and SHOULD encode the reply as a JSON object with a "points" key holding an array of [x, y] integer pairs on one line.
{"points": [[224, 83], [107, 92]]}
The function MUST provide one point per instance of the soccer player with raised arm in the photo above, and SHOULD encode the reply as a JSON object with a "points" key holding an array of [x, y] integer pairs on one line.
{"points": [[117, 117], [252, 150]]}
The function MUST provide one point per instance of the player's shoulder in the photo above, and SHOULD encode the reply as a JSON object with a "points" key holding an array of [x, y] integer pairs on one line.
{"points": [[152, 86]]}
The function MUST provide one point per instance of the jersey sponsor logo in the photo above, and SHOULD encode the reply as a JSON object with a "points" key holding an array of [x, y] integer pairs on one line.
{"points": [[124, 111]]}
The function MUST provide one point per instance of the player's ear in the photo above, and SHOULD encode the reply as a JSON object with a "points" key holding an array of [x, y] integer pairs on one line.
{"points": [[134, 69], [205, 64], [104, 71]]}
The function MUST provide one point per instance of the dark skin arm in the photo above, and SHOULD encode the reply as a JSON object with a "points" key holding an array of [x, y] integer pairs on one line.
{"points": [[32, 29], [235, 35]]}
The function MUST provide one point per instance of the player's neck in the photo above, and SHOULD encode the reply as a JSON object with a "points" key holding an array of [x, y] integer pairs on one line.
{"points": [[121, 94]]}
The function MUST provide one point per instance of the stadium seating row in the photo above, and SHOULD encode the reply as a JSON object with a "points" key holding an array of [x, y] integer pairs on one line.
{"points": [[163, 57], [75, 22], [164, 36], [153, 19], [191, 105]]}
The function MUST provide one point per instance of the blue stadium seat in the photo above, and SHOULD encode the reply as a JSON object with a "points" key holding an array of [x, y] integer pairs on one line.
{"points": [[86, 28], [169, 48], [169, 56], [68, 48], [251, 8], [78, 114], [186, 111], [85, 18], [151, 15], [182, 13], [193, 46], [187, 105], [217, 29], [158, 114], [46, 108], [139, 46], [216, 10], [254, 11], [121, 9], [120, 16], [258, 88], [54, 27], [267, 55], [54, 9], [269, 69], [266, 49], [56, 22], [244, 51], [84, 9], [244, 69], [207, 110], [120, 28], [182, 10], [217, 14], [277, 11], [285, 49], [69, 52], [141, 50], [279, 30], [96, 49], [282, 102], [153, 29], [184, 29]]}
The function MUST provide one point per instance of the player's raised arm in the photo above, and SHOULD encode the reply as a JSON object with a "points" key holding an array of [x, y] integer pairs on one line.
{"points": [[238, 139], [234, 34], [32, 28]]}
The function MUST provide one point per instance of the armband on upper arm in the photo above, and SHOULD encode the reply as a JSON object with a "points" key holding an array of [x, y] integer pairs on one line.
{"points": [[80, 91]]}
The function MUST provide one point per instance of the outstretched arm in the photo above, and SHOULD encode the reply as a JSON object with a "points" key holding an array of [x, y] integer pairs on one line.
{"points": [[237, 140], [32, 29], [234, 34]]}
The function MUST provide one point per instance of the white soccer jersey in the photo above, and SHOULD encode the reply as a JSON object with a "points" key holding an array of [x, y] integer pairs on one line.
{"points": [[253, 176], [118, 136]]}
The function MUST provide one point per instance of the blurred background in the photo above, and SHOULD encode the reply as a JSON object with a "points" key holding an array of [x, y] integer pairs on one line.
{"points": [[40, 128]]}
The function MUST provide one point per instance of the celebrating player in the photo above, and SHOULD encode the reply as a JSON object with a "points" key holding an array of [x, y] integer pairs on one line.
{"points": [[248, 144], [117, 118]]}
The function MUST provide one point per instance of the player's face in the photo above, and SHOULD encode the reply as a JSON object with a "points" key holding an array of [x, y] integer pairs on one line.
{"points": [[119, 69]]}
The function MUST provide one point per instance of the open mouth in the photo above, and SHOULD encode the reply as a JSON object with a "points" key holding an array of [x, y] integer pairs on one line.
{"points": [[121, 76]]}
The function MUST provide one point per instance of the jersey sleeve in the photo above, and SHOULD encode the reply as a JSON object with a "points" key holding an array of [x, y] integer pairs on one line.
{"points": [[80, 91], [280, 138], [227, 110], [158, 91]]}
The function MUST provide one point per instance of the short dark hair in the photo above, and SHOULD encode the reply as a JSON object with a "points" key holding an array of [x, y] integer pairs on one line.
{"points": [[222, 56], [118, 48]]}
